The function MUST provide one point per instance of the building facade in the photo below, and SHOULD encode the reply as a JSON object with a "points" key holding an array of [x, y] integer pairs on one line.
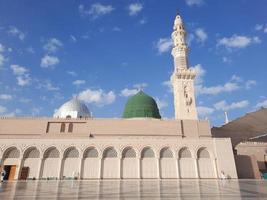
{"points": [[140, 145]]}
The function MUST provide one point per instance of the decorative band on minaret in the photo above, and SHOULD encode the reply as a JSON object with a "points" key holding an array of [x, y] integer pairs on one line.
{"points": [[183, 77]]}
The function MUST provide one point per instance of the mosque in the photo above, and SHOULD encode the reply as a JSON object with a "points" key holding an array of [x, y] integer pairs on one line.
{"points": [[141, 145]]}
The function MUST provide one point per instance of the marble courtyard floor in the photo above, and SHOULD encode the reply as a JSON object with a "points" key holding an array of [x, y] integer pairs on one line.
{"points": [[135, 189]]}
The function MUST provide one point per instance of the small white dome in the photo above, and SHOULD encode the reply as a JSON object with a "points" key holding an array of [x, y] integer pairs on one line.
{"points": [[73, 109]]}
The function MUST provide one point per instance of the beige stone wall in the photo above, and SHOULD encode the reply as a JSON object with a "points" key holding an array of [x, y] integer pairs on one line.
{"points": [[193, 167], [247, 167], [257, 149], [82, 128]]}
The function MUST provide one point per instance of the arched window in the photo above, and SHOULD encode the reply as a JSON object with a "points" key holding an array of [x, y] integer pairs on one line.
{"points": [[62, 128], [203, 153], [110, 153], [166, 153], [184, 153], [32, 153], [12, 153], [147, 153], [70, 129], [90, 153], [128, 153], [51, 153], [71, 153], [68, 117]]}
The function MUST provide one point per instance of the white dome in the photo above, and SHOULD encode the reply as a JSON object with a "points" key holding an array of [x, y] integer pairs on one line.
{"points": [[73, 109]]}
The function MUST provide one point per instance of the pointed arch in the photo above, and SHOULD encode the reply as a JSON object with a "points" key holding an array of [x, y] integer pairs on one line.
{"points": [[51, 159]]}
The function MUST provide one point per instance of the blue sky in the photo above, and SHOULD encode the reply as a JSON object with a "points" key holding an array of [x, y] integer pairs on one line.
{"points": [[103, 51]]}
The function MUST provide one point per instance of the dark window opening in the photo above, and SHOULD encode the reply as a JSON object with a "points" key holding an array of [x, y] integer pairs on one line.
{"points": [[62, 128], [70, 129]]}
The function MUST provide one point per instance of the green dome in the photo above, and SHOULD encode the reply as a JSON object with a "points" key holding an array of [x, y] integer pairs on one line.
{"points": [[141, 105]]}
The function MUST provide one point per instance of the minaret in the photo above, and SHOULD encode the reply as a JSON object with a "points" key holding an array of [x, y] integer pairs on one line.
{"points": [[226, 120], [182, 78]]}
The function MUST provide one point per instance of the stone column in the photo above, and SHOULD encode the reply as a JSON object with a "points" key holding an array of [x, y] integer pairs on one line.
{"points": [[100, 168], [80, 172], [60, 167], [158, 166], [196, 166], [139, 173], [1, 159], [19, 167], [215, 167], [177, 166], [120, 168], [40, 168]]}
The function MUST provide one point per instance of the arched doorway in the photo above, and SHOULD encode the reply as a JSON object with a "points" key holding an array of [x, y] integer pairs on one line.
{"points": [[70, 165], [149, 164], [186, 164], [110, 163], [205, 164], [11, 162], [91, 163], [129, 163], [168, 164], [51, 160], [31, 162]]}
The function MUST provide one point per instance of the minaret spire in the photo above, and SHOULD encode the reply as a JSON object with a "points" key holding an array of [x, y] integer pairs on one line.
{"points": [[182, 78], [226, 120]]}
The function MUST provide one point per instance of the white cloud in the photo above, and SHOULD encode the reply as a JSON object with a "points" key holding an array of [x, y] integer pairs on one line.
{"points": [[204, 111], [226, 59], [116, 29], [5, 97], [78, 82], [200, 73], [128, 92], [30, 50], [22, 75], [46, 84], [23, 80], [16, 32], [194, 2], [236, 78], [262, 104], [214, 90], [201, 35], [224, 106], [49, 61], [250, 84], [73, 38], [18, 70], [190, 38], [135, 8], [72, 73], [258, 27], [96, 10], [2, 109], [164, 44], [142, 21], [2, 57], [97, 97], [2, 60], [24, 100], [169, 85], [140, 86], [232, 85], [265, 30], [161, 103], [2, 48], [238, 41], [52, 45]]}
